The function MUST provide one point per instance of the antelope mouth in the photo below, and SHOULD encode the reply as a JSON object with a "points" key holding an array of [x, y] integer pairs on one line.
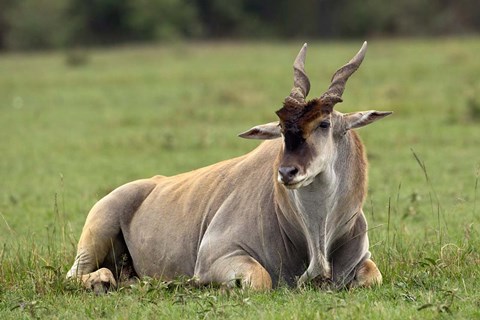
{"points": [[295, 184]]}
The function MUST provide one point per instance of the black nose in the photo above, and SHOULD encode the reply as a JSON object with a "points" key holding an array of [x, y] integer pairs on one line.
{"points": [[287, 173]]}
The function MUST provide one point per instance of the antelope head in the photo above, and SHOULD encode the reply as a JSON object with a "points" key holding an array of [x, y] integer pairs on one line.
{"points": [[312, 130]]}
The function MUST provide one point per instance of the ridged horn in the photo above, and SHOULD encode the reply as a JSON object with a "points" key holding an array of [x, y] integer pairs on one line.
{"points": [[339, 79], [301, 84]]}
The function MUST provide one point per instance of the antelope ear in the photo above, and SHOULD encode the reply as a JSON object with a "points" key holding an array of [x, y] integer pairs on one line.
{"points": [[362, 118], [263, 132]]}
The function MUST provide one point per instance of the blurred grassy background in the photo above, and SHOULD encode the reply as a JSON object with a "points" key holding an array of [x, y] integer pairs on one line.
{"points": [[71, 133], [135, 112]]}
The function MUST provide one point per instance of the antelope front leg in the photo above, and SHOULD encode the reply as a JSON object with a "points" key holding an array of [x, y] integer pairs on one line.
{"points": [[367, 275], [244, 269], [318, 270]]}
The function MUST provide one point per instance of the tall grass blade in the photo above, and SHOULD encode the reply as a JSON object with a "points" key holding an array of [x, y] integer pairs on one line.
{"points": [[433, 198]]}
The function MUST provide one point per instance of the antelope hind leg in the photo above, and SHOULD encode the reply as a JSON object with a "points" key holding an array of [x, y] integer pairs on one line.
{"points": [[97, 245], [101, 243], [94, 249], [99, 281], [367, 275], [87, 272]]}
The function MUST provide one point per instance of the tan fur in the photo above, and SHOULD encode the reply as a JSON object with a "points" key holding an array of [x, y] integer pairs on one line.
{"points": [[368, 275], [256, 277]]}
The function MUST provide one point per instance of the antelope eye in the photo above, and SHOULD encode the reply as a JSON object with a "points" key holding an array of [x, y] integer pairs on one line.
{"points": [[324, 125]]}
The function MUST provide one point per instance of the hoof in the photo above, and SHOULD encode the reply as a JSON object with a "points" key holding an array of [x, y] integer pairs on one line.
{"points": [[99, 281], [368, 275]]}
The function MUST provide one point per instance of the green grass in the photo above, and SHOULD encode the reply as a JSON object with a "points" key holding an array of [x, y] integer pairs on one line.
{"points": [[69, 135]]}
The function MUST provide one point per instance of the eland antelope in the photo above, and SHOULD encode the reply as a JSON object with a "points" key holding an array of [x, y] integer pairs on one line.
{"points": [[288, 212]]}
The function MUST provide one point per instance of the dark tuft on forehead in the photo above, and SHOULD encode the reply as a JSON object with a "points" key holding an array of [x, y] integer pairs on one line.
{"points": [[298, 115], [291, 111], [296, 118]]}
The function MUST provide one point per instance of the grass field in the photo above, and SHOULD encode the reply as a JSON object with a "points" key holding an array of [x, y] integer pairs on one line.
{"points": [[70, 134]]}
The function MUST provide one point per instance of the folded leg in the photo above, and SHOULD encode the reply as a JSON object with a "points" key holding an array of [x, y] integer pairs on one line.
{"points": [[234, 270]]}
